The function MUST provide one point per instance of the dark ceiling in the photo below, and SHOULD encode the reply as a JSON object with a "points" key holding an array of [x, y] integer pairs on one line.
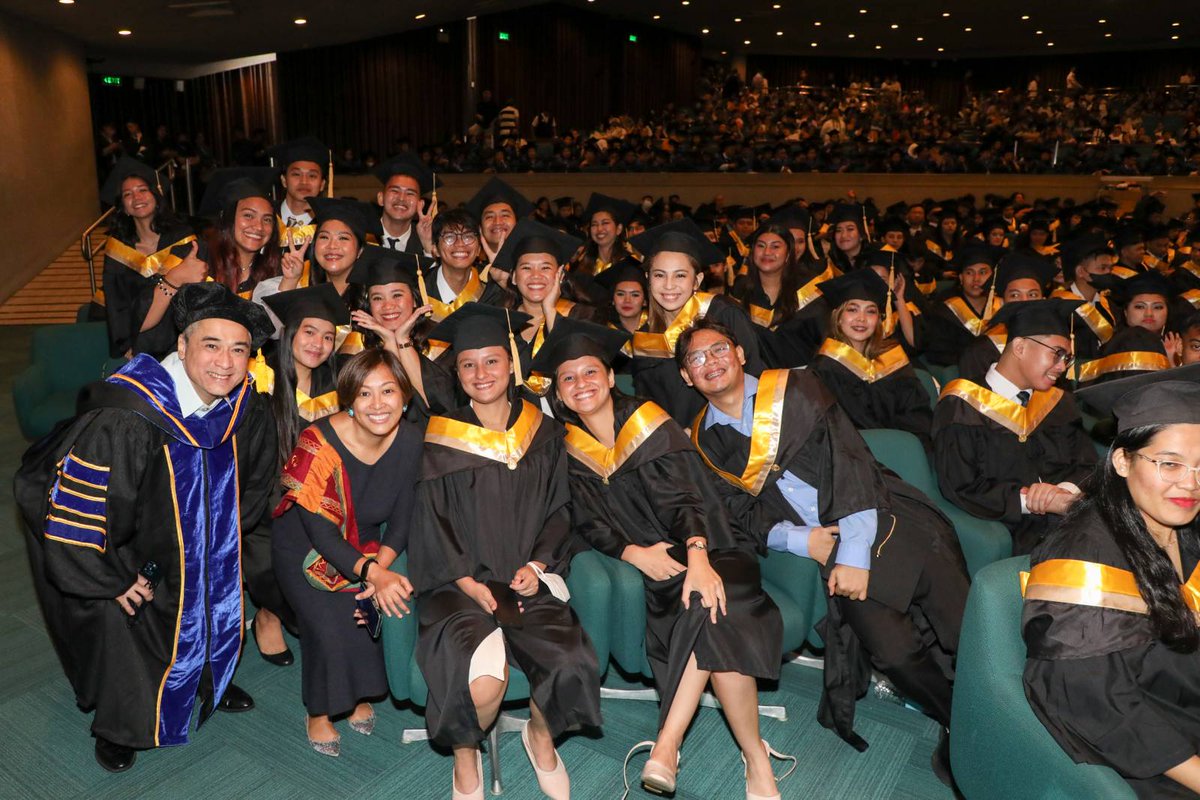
{"points": [[193, 31]]}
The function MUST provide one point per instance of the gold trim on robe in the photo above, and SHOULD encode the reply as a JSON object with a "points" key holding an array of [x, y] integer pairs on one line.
{"points": [[766, 429], [869, 370], [312, 409], [605, 461], [1022, 421], [1192, 296], [1097, 323], [1123, 272], [963, 312], [157, 263], [809, 291], [506, 447], [662, 345], [294, 234], [1134, 360], [470, 293], [1086, 583]]}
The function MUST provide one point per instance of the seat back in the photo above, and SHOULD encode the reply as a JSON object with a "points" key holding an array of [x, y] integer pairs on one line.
{"points": [[902, 453], [931, 385], [999, 748], [76, 354]]}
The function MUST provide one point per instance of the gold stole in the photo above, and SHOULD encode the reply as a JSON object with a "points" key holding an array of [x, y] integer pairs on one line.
{"points": [[999, 337], [760, 316], [605, 461], [157, 263], [349, 341], [506, 447], [470, 293], [294, 234], [540, 384], [1192, 296], [869, 370], [1086, 583], [1097, 323], [662, 345], [312, 409], [1134, 360], [766, 429], [890, 324], [1123, 272], [1022, 421], [963, 312], [809, 291]]}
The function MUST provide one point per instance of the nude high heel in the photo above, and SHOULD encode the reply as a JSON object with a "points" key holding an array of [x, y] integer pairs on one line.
{"points": [[772, 753], [478, 793], [554, 783]]}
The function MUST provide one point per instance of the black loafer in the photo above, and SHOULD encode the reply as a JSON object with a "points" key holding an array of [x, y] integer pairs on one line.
{"points": [[235, 700], [114, 757]]}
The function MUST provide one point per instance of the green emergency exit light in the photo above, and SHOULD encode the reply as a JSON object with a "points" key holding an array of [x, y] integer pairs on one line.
{"points": [[111, 80], [503, 36]]}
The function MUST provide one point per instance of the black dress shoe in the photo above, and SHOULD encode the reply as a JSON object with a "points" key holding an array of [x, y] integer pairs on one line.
{"points": [[235, 700], [114, 757], [284, 659]]}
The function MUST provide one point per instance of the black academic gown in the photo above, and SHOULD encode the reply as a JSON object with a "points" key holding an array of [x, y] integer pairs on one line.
{"points": [[791, 341], [662, 492], [536, 386], [1107, 689], [484, 518], [909, 625], [883, 392], [950, 326], [1094, 324], [981, 353], [655, 374], [1131, 351], [982, 464], [137, 485]]}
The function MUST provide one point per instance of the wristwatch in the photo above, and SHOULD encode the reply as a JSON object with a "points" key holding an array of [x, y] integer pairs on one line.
{"points": [[366, 567]]}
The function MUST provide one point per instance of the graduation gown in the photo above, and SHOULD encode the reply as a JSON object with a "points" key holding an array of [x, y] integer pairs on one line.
{"points": [[909, 625], [537, 386], [131, 481], [652, 487], [488, 503], [883, 392], [476, 291], [981, 353], [128, 283], [951, 326], [791, 342], [1108, 690], [1131, 351], [655, 374], [987, 448], [1095, 324]]}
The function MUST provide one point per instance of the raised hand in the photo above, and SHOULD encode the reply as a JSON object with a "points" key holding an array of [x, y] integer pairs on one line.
{"points": [[190, 270], [292, 264]]}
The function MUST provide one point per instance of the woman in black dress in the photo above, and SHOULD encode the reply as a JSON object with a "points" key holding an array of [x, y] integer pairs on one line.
{"points": [[641, 494], [350, 475], [1113, 667]]}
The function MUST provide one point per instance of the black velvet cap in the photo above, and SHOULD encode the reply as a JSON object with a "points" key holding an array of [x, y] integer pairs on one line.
{"points": [[791, 217], [621, 210], [531, 236], [890, 224], [571, 339], [321, 301], [1017, 266], [680, 236], [1077, 249], [127, 167], [210, 300], [357, 216], [742, 212], [227, 187], [306, 148], [861, 284], [627, 270], [477, 325], [976, 253], [1050, 317], [885, 257], [498, 191], [847, 212], [406, 164], [380, 265], [1161, 397], [1125, 289]]}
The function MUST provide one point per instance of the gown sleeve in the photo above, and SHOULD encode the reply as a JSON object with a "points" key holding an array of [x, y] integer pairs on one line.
{"points": [[258, 473], [961, 461], [120, 295], [685, 500], [438, 552], [400, 520], [554, 545], [589, 521]]}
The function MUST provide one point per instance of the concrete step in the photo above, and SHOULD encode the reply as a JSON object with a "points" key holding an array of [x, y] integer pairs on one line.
{"points": [[55, 294]]}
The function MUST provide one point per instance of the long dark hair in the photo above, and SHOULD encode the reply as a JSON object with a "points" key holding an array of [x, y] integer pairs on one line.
{"points": [[565, 415], [591, 250], [223, 263], [656, 314], [793, 275], [1108, 494], [123, 228], [288, 424]]}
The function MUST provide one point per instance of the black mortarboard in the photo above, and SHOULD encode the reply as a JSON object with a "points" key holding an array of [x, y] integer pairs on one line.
{"points": [[531, 236], [680, 236], [406, 164], [321, 301], [891, 224], [977, 253], [356, 215], [847, 212], [1122, 290], [861, 284], [741, 212], [211, 300], [498, 191], [227, 187], [1128, 235], [897, 209], [477, 325], [571, 339], [1050, 317], [1161, 397], [790, 217], [624, 271], [1077, 249], [306, 148], [621, 210], [381, 265], [1018, 266], [127, 167], [564, 201]]}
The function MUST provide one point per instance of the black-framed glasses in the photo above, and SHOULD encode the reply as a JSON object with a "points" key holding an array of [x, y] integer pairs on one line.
{"points": [[698, 358], [1060, 353], [450, 237], [1172, 471]]}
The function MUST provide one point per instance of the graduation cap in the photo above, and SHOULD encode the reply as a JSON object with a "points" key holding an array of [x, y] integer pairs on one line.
{"points": [[211, 300], [227, 187], [321, 301], [560, 202], [1080, 247], [1039, 222], [892, 225], [742, 212], [627, 270], [531, 236], [498, 191], [861, 284], [680, 236], [477, 325], [571, 339], [378, 266], [1125, 289], [1050, 317], [1020, 266], [621, 210], [1128, 235], [1161, 397], [406, 164], [897, 209], [790, 217], [306, 148], [357, 216], [848, 212], [127, 167], [993, 223], [977, 253]]}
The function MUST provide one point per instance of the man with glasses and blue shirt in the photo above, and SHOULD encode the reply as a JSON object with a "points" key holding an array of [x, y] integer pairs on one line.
{"points": [[1013, 448]]}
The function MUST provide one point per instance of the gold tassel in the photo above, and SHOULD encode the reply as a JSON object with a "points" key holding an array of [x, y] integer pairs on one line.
{"points": [[433, 204], [264, 376], [421, 282], [866, 229], [991, 298], [1075, 363], [889, 324], [329, 183], [512, 346]]}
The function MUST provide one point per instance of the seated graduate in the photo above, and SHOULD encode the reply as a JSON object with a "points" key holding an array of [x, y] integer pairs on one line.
{"points": [[1020, 276], [246, 251], [867, 372], [1143, 340], [894, 569], [404, 227], [343, 520], [851, 239], [496, 209], [676, 254], [491, 542], [604, 219], [1113, 670], [955, 322], [1013, 447], [299, 377], [641, 494], [148, 256], [1085, 256], [624, 287]]}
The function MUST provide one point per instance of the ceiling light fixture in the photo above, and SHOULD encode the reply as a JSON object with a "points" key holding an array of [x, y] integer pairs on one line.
{"points": [[737, 19], [1038, 33], [945, 13], [920, 38], [1174, 24], [127, 32], [67, 2], [967, 29], [1024, 16], [747, 41], [1049, 44], [422, 16], [658, 16], [862, 11], [941, 49], [849, 35], [817, 23], [895, 26], [1173, 38], [878, 47], [704, 30], [812, 44], [1102, 21], [300, 21], [779, 33], [777, 6], [1108, 36]]}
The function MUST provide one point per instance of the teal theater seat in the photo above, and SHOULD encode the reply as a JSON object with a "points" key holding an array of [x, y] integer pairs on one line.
{"points": [[63, 359], [998, 748], [931, 385]]}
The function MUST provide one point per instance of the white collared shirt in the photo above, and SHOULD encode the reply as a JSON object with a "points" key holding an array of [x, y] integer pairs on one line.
{"points": [[285, 212], [189, 400], [448, 294], [397, 243]]}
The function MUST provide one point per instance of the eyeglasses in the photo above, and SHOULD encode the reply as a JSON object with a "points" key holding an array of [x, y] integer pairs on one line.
{"points": [[1060, 353], [698, 358], [1172, 471], [450, 238]]}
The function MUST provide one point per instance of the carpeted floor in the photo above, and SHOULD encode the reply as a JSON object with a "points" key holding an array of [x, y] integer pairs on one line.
{"points": [[46, 750]]}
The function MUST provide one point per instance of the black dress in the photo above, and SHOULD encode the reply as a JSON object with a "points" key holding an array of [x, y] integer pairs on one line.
{"points": [[662, 492], [342, 664], [1108, 690]]}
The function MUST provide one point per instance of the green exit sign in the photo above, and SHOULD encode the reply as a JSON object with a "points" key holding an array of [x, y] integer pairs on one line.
{"points": [[633, 37], [112, 80], [503, 36]]}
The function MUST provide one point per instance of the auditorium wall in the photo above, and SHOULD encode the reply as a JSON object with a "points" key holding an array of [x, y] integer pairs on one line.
{"points": [[47, 167]]}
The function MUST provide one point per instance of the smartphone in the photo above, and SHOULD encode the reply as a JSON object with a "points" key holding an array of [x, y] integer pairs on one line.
{"points": [[507, 612], [370, 612]]}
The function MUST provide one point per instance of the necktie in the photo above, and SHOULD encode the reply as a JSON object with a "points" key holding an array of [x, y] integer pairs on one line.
{"points": [[1023, 397], [393, 244], [292, 222]]}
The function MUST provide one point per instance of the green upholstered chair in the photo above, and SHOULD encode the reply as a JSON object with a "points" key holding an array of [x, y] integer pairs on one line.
{"points": [[63, 359], [983, 541], [998, 748], [943, 374], [930, 383]]}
